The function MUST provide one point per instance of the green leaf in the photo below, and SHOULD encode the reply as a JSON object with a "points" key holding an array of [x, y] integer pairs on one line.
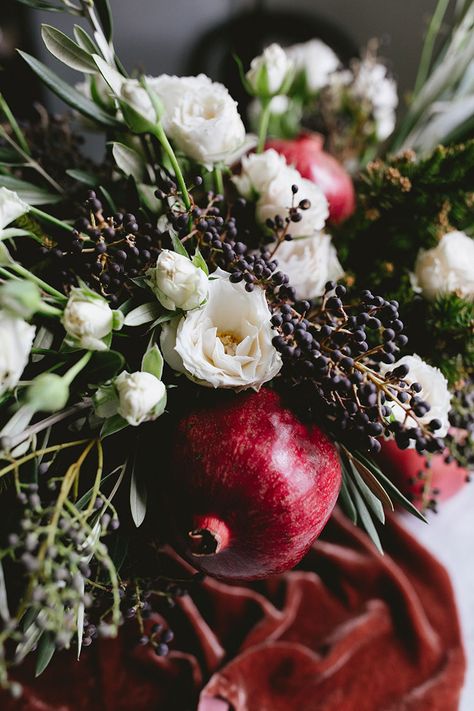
{"points": [[104, 365], [392, 490], [72, 97], [364, 515], [113, 425], [46, 649], [19, 135], [105, 16], [41, 5], [84, 40], [143, 314], [83, 177], [138, 498], [374, 503], [153, 362], [347, 503], [178, 246], [128, 160], [28, 192], [200, 262], [67, 51]]}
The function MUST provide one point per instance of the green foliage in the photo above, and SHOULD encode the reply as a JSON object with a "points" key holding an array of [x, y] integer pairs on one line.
{"points": [[405, 205]]}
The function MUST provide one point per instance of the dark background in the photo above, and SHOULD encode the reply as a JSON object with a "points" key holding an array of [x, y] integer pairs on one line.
{"points": [[187, 36]]}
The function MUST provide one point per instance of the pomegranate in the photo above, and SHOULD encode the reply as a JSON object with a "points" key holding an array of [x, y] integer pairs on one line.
{"points": [[307, 155], [252, 486], [403, 468]]}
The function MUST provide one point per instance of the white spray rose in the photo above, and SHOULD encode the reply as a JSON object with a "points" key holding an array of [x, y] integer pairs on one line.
{"points": [[373, 84], [270, 71], [267, 177], [448, 267], [309, 262], [228, 342], [434, 391], [200, 117], [278, 197], [11, 207], [16, 338], [142, 397], [134, 94], [258, 171], [88, 319], [316, 60], [177, 283]]}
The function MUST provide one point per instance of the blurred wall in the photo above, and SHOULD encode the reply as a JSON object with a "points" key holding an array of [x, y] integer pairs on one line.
{"points": [[156, 34]]}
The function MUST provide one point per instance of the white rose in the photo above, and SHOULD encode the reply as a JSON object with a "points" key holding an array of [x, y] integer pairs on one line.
{"points": [[372, 83], [448, 267], [16, 337], [269, 71], [142, 397], [11, 207], [135, 95], [177, 283], [200, 117], [278, 197], [88, 320], [228, 342], [257, 172], [434, 391], [316, 60], [309, 262]]}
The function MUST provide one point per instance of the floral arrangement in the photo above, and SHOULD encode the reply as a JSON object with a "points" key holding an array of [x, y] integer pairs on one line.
{"points": [[188, 357]]}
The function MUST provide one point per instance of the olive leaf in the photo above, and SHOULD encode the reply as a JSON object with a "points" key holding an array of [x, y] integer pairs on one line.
{"points": [[128, 160], [67, 51]]}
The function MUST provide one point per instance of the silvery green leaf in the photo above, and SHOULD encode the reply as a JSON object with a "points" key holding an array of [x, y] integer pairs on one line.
{"points": [[113, 78], [374, 503], [44, 340], [71, 96], [5, 257], [153, 362], [28, 192], [84, 40], [178, 246], [4, 611], [113, 425], [82, 176], [128, 160], [11, 232], [46, 649], [200, 262], [105, 17], [67, 51], [138, 498], [148, 197], [364, 515], [143, 314], [30, 639], [106, 401]]}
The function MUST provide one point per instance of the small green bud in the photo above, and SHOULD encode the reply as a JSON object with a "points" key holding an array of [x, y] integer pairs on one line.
{"points": [[20, 298], [48, 393]]}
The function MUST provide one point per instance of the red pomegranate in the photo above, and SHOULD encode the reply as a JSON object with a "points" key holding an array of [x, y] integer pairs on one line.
{"points": [[252, 487], [307, 155], [404, 466]]}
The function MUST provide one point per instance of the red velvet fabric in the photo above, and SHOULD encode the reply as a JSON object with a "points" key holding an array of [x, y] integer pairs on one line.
{"points": [[349, 630]]}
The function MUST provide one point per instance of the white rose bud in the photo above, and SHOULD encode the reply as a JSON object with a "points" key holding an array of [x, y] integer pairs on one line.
{"points": [[201, 117], [177, 282], [11, 207], [434, 391], [309, 262], [16, 338], [278, 197], [88, 319], [316, 60], [228, 342], [257, 172], [448, 267], [142, 397], [270, 73]]}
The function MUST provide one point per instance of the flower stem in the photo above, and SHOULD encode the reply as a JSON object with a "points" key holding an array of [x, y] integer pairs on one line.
{"points": [[163, 139], [77, 367], [218, 179], [49, 218], [32, 277], [48, 310], [263, 124]]}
